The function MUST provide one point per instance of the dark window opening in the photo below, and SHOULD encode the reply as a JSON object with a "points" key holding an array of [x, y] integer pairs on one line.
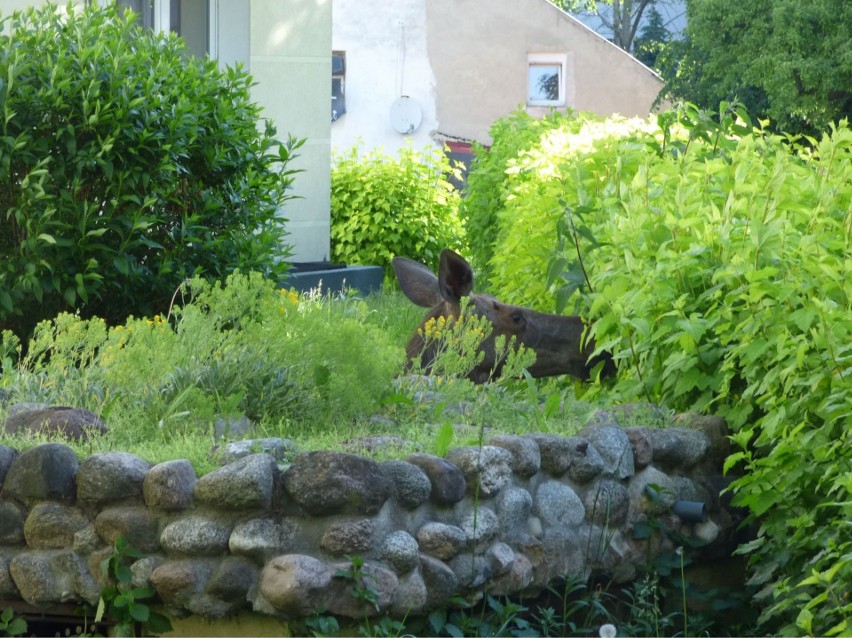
{"points": [[338, 85]]}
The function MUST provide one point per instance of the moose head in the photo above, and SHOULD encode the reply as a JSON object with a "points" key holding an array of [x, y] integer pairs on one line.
{"points": [[557, 340]]}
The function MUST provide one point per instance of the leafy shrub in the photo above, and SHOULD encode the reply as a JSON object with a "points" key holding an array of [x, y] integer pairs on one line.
{"points": [[126, 166], [383, 206], [244, 347], [715, 262], [487, 181]]}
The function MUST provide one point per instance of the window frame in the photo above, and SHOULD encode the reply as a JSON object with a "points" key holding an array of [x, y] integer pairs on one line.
{"points": [[549, 59]]}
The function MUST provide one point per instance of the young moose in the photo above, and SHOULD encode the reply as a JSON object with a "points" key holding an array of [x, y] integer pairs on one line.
{"points": [[555, 339]]}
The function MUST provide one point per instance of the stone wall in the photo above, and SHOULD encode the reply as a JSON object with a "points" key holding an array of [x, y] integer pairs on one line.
{"points": [[508, 517]]}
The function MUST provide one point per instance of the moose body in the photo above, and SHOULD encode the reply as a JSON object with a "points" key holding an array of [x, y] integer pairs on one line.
{"points": [[557, 340]]}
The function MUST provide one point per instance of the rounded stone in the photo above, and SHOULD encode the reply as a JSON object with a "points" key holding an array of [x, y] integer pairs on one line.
{"points": [[526, 456], [45, 472], [410, 485], [441, 581], [480, 526], [262, 538], [136, 524], [348, 537], [441, 540], [7, 455], [614, 447], [73, 423], [448, 482], [607, 503], [296, 584], [168, 486], [244, 484], [12, 517], [557, 505], [677, 447], [401, 550], [325, 483], [488, 466], [640, 443], [110, 477], [52, 525], [196, 535]]}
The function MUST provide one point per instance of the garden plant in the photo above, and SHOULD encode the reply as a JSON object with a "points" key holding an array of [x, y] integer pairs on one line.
{"points": [[126, 167], [714, 260]]}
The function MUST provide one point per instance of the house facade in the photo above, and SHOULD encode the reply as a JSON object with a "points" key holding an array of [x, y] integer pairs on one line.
{"points": [[449, 68], [285, 46]]}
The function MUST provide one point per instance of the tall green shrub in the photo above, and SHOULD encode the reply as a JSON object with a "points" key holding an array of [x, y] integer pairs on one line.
{"points": [[126, 166], [383, 206], [716, 263], [487, 182]]}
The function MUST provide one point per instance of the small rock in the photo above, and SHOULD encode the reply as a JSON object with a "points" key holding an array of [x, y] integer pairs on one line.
{"points": [[52, 525], [296, 585], [409, 484], [168, 486], [110, 477], [441, 540], [244, 484], [401, 550], [526, 456], [348, 537], [71, 423], [45, 472], [196, 535], [448, 483], [325, 483], [557, 505], [487, 465]]}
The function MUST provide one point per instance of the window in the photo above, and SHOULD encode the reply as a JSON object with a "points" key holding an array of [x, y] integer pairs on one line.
{"points": [[338, 84], [190, 19], [547, 79]]}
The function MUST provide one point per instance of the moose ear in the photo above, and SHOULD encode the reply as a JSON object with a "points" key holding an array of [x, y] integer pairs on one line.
{"points": [[418, 283], [455, 276]]}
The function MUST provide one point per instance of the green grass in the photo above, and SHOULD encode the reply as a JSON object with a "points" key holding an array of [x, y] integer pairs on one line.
{"points": [[326, 372]]}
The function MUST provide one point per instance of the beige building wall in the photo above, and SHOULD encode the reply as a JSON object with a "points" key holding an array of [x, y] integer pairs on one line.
{"points": [[291, 63], [479, 50]]}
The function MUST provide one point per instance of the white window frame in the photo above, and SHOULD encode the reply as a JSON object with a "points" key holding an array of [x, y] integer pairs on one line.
{"points": [[549, 59]]}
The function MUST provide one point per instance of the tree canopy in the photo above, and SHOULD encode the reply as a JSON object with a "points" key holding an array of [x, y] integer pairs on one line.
{"points": [[788, 60]]}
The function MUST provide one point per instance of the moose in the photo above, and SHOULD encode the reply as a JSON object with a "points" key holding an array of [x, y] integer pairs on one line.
{"points": [[557, 340]]}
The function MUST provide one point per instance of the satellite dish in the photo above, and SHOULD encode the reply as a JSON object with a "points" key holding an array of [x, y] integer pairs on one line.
{"points": [[405, 115]]}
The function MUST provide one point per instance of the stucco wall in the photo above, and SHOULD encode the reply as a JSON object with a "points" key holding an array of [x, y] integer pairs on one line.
{"points": [[290, 61], [479, 55], [385, 46]]}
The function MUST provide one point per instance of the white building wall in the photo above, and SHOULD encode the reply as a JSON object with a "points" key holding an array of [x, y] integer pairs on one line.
{"points": [[386, 58]]}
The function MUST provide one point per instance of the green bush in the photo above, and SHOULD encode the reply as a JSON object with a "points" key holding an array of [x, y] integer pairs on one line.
{"points": [[126, 166], [226, 350], [715, 263], [487, 181], [383, 206]]}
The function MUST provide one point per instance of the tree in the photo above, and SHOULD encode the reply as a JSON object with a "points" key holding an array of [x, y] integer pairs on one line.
{"points": [[621, 17], [651, 40], [787, 60]]}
